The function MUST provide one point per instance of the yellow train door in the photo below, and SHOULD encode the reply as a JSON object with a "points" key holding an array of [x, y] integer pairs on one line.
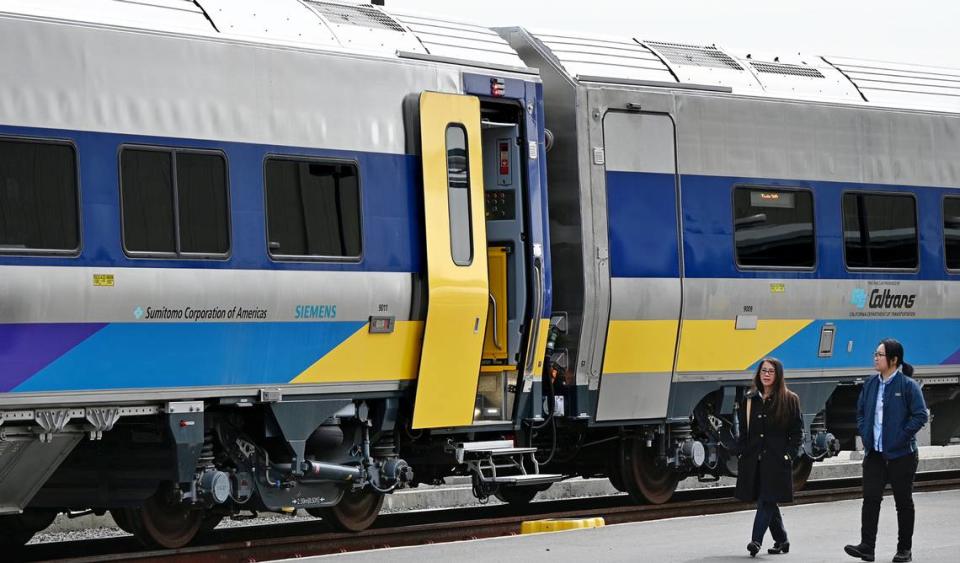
{"points": [[458, 291]]}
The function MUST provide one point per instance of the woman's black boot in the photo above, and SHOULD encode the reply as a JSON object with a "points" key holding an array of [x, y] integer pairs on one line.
{"points": [[779, 548], [754, 548]]}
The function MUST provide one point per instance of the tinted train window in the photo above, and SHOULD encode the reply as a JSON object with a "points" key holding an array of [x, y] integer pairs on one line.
{"points": [[458, 196], [880, 231], [774, 228], [313, 208], [174, 202], [39, 209], [951, 231]]}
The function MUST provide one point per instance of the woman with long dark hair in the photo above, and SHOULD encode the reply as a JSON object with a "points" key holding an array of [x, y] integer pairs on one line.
{"points": [[770, 434]]}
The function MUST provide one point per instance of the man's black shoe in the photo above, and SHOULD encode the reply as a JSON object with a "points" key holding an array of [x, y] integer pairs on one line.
{"points": [[902, 556], [754, 548], [862, 551]]}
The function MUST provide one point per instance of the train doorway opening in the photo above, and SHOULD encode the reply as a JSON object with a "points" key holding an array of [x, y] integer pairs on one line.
{"points": [[504, 180]]}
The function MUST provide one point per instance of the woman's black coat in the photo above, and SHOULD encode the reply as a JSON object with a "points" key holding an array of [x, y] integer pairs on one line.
{"points": [[767, 451]]}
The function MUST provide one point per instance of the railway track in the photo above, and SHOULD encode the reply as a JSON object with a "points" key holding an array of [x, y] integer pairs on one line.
{"points": [[302, 539]]}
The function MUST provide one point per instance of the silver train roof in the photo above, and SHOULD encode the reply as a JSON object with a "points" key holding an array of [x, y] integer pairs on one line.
{"points": [[313, 24], [596, 58], [365, 28]]}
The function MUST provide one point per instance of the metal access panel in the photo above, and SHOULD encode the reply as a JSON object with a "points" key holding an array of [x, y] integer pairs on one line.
{"points": [[457, 286], [644, 254]]}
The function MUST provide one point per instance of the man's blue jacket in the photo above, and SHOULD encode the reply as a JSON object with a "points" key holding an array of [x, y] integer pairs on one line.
{"points": [[904, 414]]}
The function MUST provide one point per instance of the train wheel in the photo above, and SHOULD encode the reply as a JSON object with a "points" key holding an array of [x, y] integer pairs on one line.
{"points": [[119, 516], [518, 495], [616, 479], [163, 522], [210, 521], [17, 529], [355, 512], [13, 534], [643, 478], [801, 472]]}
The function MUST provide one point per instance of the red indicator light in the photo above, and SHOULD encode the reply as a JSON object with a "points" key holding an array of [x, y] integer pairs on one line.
{"points": [[497, 87], [504, 159]]}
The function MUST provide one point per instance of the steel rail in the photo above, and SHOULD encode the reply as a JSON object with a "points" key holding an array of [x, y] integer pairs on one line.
{"points": [[294, 540]]}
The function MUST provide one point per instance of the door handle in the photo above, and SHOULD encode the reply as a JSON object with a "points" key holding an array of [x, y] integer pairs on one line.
{"points": [[496, 325], [537, 313]]}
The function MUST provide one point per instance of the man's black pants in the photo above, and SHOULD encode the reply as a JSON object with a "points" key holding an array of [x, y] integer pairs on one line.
{"points": [[899, 472]]}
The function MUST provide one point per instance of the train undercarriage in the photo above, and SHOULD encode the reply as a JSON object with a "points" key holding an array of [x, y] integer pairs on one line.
{"points": [[170, 474]]}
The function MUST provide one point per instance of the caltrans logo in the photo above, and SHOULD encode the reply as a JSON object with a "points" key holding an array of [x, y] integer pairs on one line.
{"points": [[858, 297]]}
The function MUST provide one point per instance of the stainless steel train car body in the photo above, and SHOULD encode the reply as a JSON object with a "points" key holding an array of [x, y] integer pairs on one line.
{"points": [[100, 334], [242, 85], [651, 141]]}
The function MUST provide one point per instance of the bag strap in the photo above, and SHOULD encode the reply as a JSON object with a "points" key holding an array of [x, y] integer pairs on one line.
{"points": [[749, 404]]}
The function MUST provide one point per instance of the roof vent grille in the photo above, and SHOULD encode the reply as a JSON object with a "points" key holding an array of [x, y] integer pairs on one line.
{"points": [[355, 14], [695, 55], [787, 69]]}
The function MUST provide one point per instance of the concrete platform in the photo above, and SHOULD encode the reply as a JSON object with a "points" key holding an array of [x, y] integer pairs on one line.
{"points": [[817, 532], [458, 493]]}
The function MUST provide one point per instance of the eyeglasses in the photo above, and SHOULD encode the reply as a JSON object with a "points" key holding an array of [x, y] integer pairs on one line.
{"points": [[879, 355], [768, 370]]}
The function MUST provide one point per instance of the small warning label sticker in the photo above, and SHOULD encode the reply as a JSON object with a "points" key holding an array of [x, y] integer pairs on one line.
{"points": [[102, 280]]}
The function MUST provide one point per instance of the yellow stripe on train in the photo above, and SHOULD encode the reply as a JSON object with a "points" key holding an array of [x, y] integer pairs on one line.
{"points": [[719, 346], [640, 346], [647, 346], [370, 357]]}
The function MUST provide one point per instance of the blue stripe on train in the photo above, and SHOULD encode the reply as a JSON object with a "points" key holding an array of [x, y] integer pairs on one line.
{"points": [[392, 217], [708, 229], [925, 342], [155, 355], [642, 222], [642, 228]]}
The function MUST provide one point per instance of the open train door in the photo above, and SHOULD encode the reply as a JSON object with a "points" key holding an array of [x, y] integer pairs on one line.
{"points": [[456, 256]]}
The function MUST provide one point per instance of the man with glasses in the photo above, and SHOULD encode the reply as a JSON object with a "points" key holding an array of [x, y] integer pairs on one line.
{"points": [[890, 412]]}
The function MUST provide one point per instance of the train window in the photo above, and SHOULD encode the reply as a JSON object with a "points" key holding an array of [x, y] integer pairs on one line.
{"points": [[39, 207], [880, 231], [774, 228], [313, 208], [202, 203], [951, 232], [174, 202], [458, 196]]}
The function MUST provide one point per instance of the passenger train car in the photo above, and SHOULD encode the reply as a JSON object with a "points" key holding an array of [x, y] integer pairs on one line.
{"points": [[233, 235], [298, 254], [710, 208]]}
